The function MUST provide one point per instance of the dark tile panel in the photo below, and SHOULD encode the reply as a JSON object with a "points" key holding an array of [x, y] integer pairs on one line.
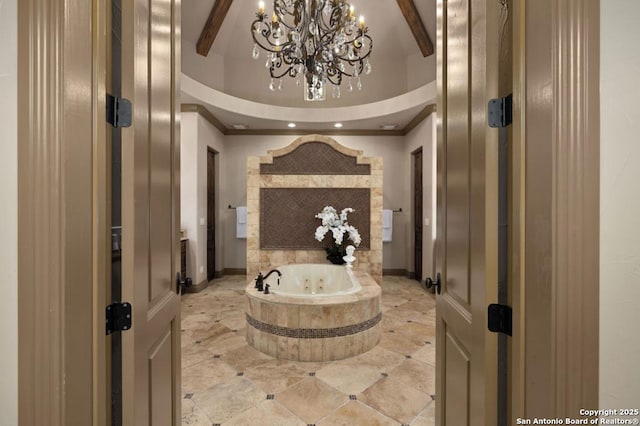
{"points": [[315, 158], [287, 219]]}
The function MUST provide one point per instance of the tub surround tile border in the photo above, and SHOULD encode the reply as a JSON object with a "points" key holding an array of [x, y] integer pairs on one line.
{"points": [[314, 350], [315, 329], [314, 333]]}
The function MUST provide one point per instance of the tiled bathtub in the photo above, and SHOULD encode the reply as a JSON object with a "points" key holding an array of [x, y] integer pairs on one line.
{"points": [[314, 327]]}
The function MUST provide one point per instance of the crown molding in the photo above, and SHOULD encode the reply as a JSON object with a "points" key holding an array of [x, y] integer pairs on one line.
{"points": [[207, 115]]}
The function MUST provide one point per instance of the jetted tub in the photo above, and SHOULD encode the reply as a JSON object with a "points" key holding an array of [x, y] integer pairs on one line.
{"points": [[317, 313], [306, 280]]}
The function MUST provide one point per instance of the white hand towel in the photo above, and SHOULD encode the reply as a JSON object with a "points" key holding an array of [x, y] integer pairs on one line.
{"points": [[387, 225], [242, 214], [241, 222]]}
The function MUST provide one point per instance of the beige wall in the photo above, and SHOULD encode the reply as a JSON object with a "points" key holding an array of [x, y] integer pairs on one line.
{"points": [[392, 149], [620, 205], [196, 134], [189, 187], [9, 213], [208, 70], [234, 150], [420, 70], [387, 79]]}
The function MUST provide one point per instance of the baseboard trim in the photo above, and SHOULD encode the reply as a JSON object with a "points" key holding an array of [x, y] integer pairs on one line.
{"points": [[397, 272], [411, 275], [197, 288], [235, 271], [218, 274]]}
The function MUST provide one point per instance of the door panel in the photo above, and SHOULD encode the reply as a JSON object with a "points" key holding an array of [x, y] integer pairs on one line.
{"points": [[457, 370], [160, 121], [457, 168], [150, 186], [161, 384], [465, 360]]}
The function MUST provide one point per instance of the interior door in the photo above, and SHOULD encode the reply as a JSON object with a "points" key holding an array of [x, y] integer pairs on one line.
{"points": [[417, 214], [150, 212], [211, 214], [466, 233]]}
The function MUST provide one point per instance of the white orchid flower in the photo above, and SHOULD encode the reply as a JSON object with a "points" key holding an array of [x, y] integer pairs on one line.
{"points": [[320, 233], [343, 213], [354, 236], [337, 224]]}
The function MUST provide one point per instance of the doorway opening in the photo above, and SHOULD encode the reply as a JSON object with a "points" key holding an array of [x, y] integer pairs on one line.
{"points": [[114, 87], [211, 214], [417, 214]]}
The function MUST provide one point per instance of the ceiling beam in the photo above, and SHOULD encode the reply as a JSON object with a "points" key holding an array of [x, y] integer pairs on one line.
{"points": [[418, 29], [212, 26]]}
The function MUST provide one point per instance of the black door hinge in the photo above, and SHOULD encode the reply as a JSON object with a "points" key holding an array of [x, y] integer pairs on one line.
{"points": [[118, 111], [500, 111], [499, 318], [118, 317]]}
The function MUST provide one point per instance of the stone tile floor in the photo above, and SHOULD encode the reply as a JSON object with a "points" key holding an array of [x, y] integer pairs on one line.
{"points": [[226, 382]]}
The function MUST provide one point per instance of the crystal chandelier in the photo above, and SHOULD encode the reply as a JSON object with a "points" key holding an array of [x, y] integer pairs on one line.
{"points": [[319, 40]]}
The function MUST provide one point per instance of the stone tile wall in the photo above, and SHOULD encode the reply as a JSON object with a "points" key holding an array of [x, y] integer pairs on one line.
{"points": [[263, 260]]}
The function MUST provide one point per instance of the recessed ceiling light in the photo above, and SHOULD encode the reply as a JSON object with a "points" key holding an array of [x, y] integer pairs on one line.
{"points": [[337, 125], [240, 126], [388, 126], [291, 125]]}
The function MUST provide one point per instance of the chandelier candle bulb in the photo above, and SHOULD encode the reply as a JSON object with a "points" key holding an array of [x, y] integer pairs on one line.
{"points": [[361, 22], [261, 7]]}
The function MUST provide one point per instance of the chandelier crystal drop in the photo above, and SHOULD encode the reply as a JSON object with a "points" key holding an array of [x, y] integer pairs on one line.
{"points": [[319, 40]]}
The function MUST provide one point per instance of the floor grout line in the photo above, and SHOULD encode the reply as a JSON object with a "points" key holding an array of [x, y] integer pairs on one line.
{"points": [[227, 300]]}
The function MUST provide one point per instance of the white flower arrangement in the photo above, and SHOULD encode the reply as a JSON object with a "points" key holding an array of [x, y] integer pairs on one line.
{"points": [[338, 226]]}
